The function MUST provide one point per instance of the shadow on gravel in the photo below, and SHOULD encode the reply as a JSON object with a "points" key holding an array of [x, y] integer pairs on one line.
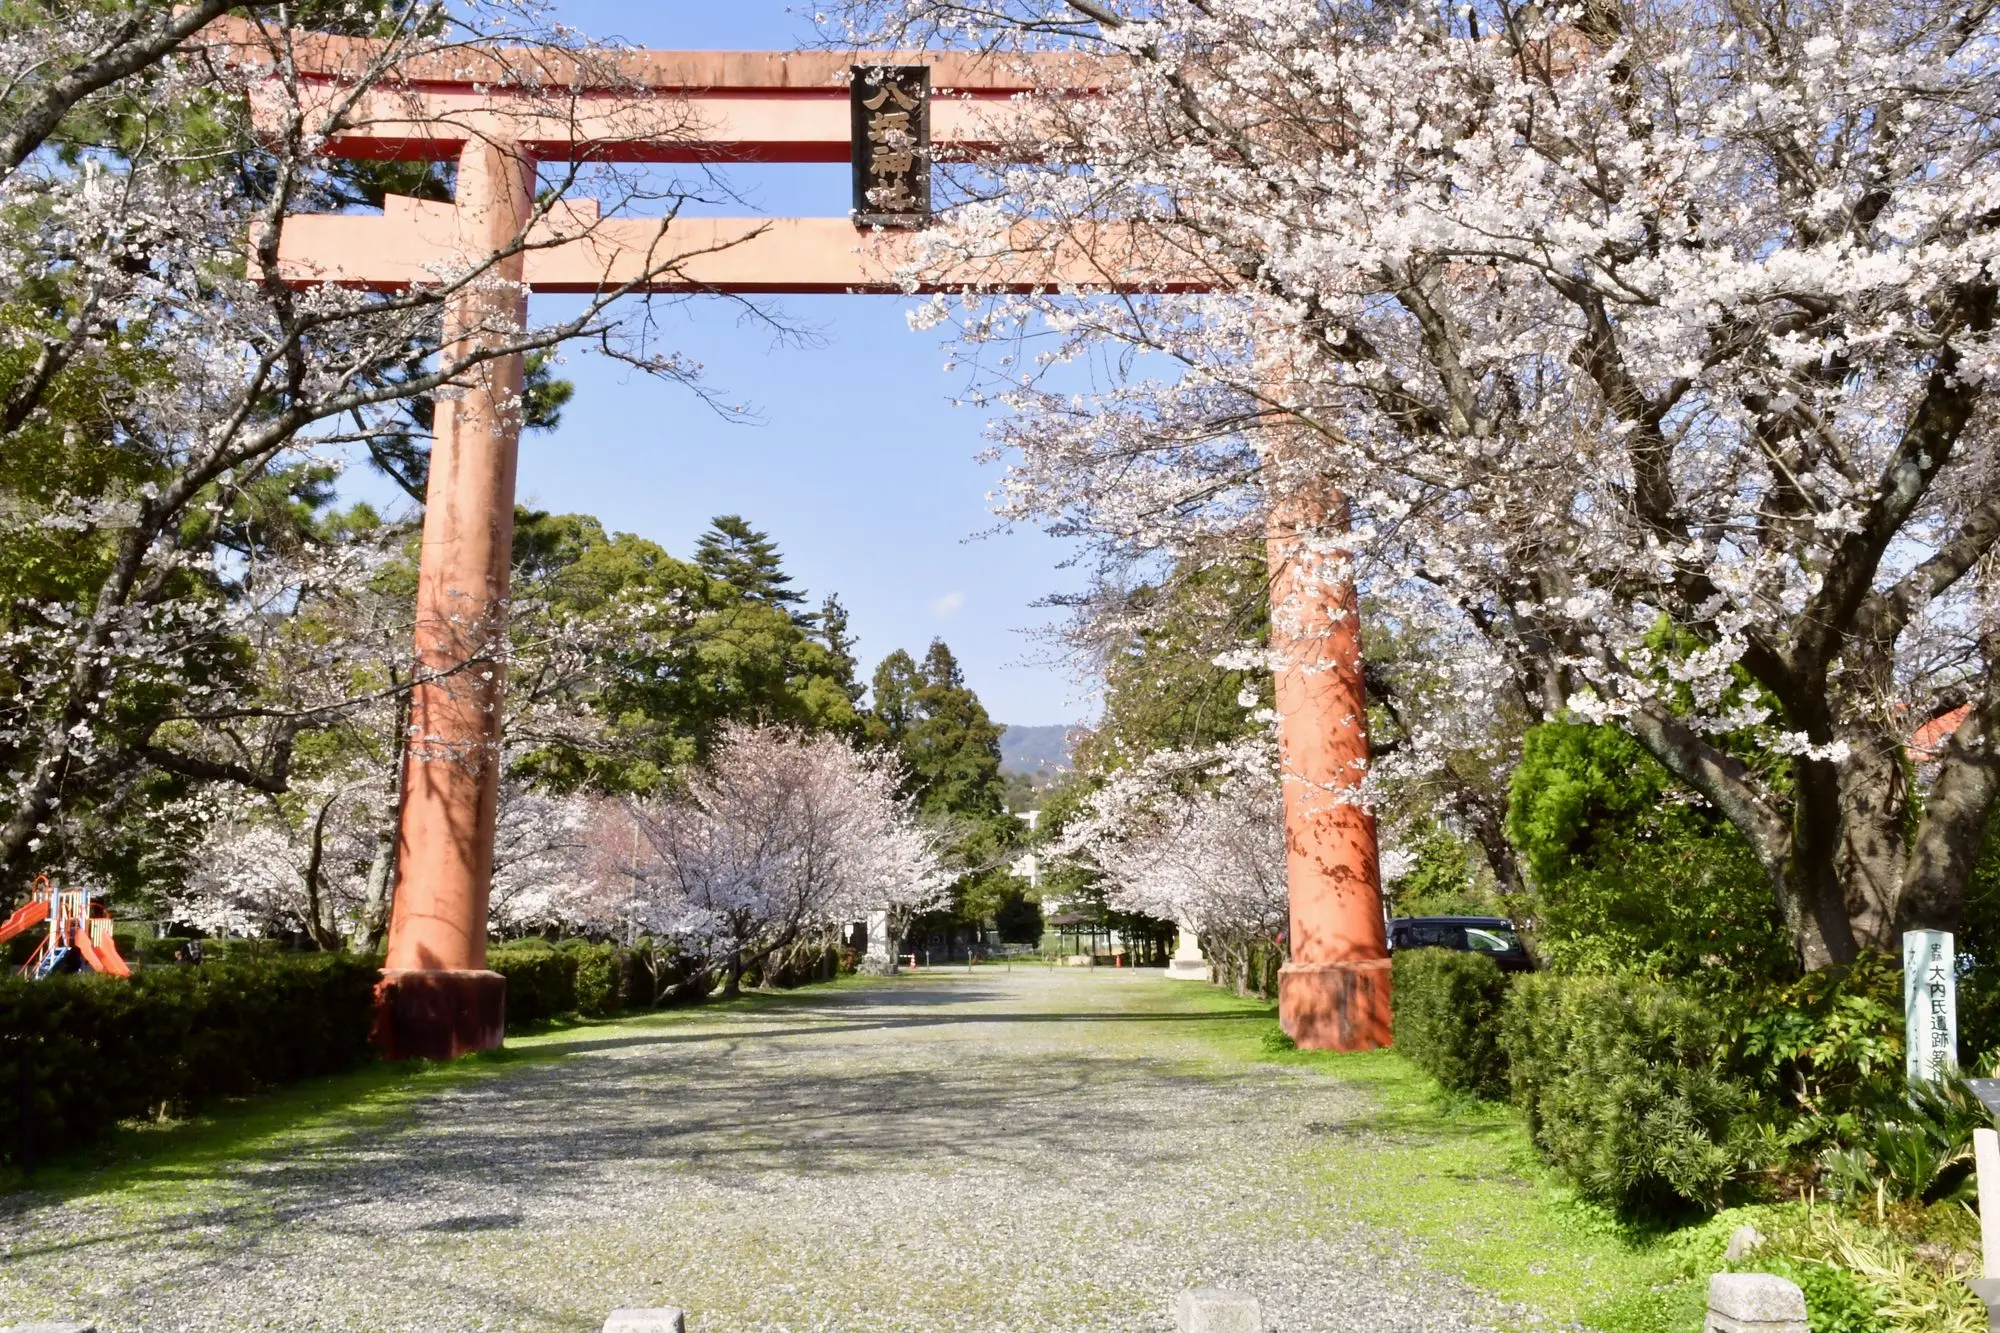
{"points": [[556, 1137], [707, 1094]]}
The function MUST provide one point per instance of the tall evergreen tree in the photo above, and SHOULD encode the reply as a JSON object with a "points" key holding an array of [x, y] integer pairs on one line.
{"points": [[950, 751], [833, 632], [953, 748], [749, 561], [895, 704]]}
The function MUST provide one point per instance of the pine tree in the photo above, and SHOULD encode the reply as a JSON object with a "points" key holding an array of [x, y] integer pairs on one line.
{"points": [[954, 748], [749, 561], [939, 728], [839, 642], [950, 750], [895, 704]]}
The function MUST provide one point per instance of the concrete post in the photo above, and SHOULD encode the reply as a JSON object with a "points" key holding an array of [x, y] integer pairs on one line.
{"points": [[661, 1320], [438, 1001], [1986, 1165], [1333, 992]]}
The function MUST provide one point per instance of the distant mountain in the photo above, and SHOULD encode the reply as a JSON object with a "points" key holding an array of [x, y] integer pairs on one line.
{"points": [[1035, 750]]}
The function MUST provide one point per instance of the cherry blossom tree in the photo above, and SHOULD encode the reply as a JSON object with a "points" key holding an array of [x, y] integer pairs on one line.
{"points": [[1645, 346], [166, 399], [337, 664], [785, 834], [1211, 860]]}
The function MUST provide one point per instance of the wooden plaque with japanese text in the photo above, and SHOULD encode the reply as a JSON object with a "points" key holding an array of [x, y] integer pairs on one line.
{"points": [[892, 145]]}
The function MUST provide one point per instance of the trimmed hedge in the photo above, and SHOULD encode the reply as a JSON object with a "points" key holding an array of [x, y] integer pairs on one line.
{"points": [[80, 1053], [1627, 1089], [550, 981], [1446, 1007]]}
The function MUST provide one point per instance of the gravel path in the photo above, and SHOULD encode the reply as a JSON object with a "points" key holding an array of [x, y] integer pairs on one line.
{"points": [[1013, 1150]]}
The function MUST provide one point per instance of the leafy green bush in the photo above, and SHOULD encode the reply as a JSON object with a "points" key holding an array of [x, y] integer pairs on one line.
{"points": [[541, 981], [1829, 1046], [1917, 1149], [1623, 1084], [1446, 1007], [599, 984], [1863, 1278], [1631, 871], [589, 980], [89, 1051]]}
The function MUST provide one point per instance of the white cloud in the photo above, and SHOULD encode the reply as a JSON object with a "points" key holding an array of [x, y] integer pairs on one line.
{"points": [[948, 605]]}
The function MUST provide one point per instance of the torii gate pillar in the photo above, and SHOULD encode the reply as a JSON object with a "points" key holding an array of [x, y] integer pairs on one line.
{"points": [[437, 999], [1333, 992]]}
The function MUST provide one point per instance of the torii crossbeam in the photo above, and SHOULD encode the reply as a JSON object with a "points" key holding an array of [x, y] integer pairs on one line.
{"points": [[437, 998]]}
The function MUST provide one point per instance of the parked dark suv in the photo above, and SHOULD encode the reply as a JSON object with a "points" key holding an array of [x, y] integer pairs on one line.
{"points": [[1494, 936]]}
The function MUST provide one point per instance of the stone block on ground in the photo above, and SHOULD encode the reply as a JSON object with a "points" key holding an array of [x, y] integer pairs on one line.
{"points": [[666, 1320], [1211, 1310], [1754, 1303], [1743, 1242]]}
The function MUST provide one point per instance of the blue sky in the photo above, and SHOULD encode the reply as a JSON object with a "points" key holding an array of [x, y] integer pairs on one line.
{"points": [[887, 515]]}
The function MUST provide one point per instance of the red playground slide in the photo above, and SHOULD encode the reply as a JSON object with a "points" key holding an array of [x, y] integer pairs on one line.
{"points": [[31, 913], [102, 954]]}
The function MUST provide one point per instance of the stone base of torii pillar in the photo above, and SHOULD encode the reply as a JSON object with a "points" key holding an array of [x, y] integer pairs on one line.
{"points": [[439, 1014]]}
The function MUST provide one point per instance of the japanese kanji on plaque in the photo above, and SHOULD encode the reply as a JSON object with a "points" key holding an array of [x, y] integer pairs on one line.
{"points": [[1930, 1005], [892, 145]]}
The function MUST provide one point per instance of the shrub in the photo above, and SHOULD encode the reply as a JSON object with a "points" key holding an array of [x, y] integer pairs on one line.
{"points": [[90, 1051], [589, 980], [1630, 870], [1829, 1045], [1623, 1084], [541, 982], [1917, 1148], [1446, 1007], [599, 977]]}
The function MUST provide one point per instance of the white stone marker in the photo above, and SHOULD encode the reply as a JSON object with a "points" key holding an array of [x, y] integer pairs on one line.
{"points": [[1930, 1005], [668, 1320], [881, 958], [1187, 964], [1210, 1310]]}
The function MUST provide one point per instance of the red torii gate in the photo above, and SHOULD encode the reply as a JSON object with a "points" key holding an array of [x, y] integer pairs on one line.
{"points": [[438, 1000]]}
